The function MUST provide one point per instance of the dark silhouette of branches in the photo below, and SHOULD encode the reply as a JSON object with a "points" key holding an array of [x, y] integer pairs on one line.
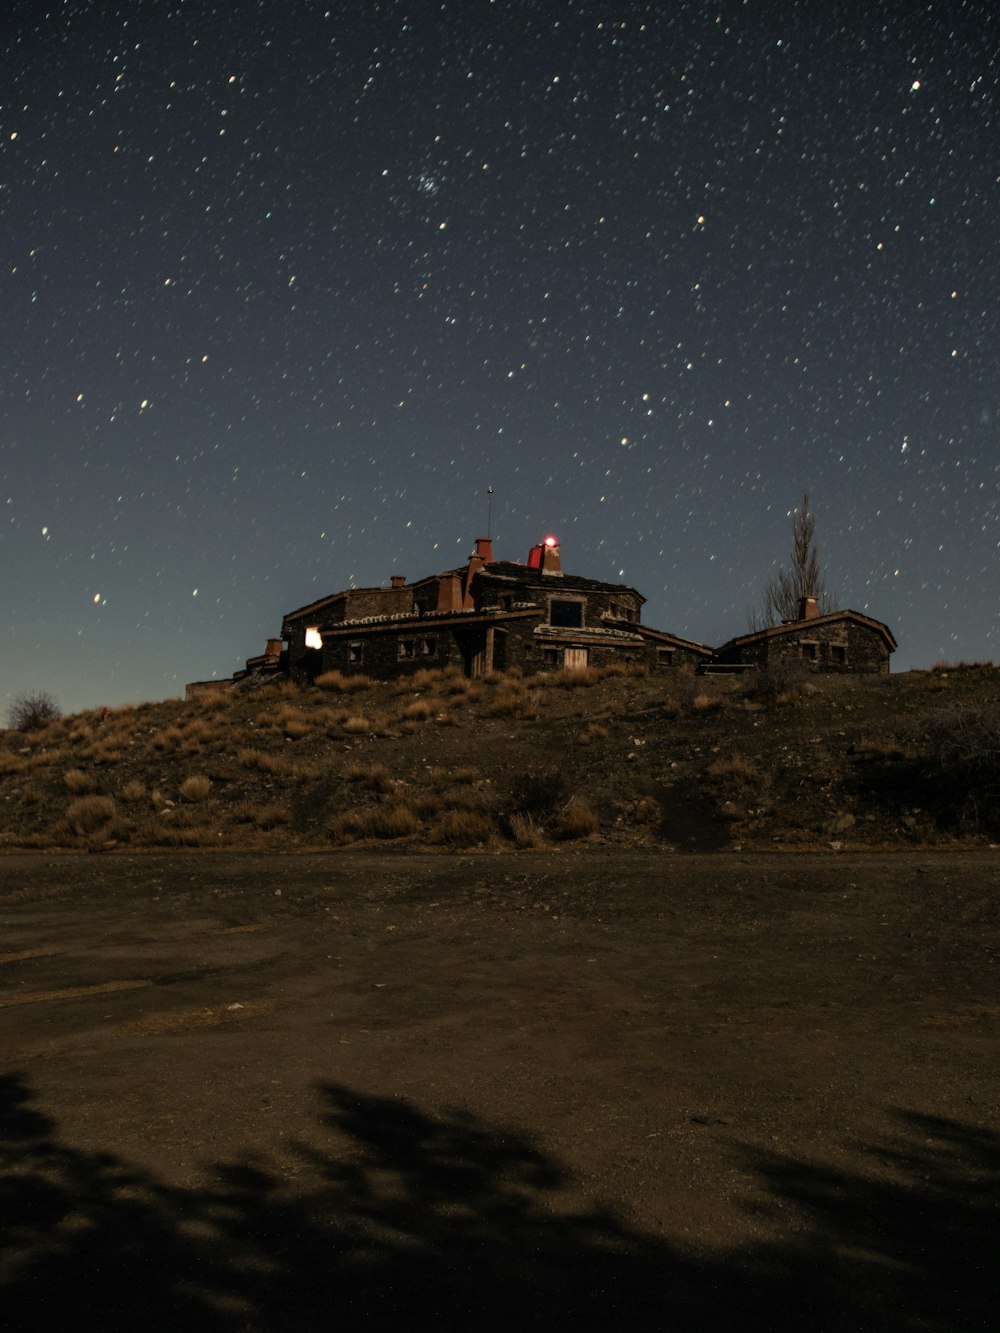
{"points": [[404, 1219], [785, 588], [32, 712]]}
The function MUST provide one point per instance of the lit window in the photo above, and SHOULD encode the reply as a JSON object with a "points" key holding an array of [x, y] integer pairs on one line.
{"points": [[313, 637]]}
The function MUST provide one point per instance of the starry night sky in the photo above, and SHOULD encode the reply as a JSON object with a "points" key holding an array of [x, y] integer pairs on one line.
{"points": [[286, 286]]}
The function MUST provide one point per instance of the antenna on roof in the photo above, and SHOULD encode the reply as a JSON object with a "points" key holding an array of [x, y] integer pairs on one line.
{"points": [[489, 511]]}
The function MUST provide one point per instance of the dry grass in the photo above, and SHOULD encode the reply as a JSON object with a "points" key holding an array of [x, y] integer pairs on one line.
{"points": [[356, 725], [375, 777], [462, 828], [513, 699], [581, 677], [575, 820], [264, 762], [268, 816], [134, 791], [594, 732], [880, 747], [79, 782], [337, 683], [383, 822], [90, 813], [526, 831], [734, 772], [708, 703], [195, 788], [421, 710]]}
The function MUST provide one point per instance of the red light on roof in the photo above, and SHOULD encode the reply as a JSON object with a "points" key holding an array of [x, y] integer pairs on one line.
{"points": [[551, 541]]}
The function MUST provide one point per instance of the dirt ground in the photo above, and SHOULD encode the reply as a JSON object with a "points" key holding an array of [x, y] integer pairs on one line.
{"points": [[601, 1089]]}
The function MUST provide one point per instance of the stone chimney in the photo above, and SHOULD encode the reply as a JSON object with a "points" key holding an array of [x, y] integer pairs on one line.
{"points": [[398, 580], [484, 549], [273, 648], [808, 608]]}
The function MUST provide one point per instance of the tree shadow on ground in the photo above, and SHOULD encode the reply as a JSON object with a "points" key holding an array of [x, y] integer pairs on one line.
{"points": [[409, 1218]]}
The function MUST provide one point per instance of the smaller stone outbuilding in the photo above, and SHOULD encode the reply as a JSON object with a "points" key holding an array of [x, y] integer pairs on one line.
{"points": [[847, 642]]}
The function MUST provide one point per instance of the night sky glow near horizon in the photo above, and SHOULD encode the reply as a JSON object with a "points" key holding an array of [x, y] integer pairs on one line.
{"points": [[287, 286]]}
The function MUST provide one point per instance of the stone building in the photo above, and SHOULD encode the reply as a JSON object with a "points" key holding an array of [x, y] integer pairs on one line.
{"points": [[488, 615], [839, 641]]}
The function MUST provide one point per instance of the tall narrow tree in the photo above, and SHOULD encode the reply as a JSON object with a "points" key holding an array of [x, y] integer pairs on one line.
{"points": [[785, 588]]}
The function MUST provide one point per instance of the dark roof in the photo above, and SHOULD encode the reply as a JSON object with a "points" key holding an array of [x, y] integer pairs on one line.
{"points": [[672, 640], [797, 627], [508, 571]]}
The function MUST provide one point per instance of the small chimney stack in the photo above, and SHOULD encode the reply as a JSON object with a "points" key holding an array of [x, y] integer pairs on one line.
{"points": [[808, 608], [484, 549], [273, 648], [545, 557], [398, 580]]}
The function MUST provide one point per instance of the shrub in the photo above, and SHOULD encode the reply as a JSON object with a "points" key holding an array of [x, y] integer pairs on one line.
{"points": [[539, 792], [708, 703], [356, 725], [376, 777], [337, 683], [196, 787], [90, 813], [395, 820], [134, 791], [965, 743], [778, 681], [78, 782], [878, 747], [526, 832], [32, 712], [734, 772], [575, 820], [421, 710], [462, 828]]}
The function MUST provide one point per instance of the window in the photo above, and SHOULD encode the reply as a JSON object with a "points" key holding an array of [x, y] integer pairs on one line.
{"points": [[406, 650], [567, 615], [810, 651], [504, 602], [615, 611], [838, 654], [313, 637], [355, 653], [550, 657], [428, 647], [665, 656]]}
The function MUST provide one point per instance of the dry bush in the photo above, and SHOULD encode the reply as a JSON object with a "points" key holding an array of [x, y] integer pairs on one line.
{"points": [[13, 763], [575, 820], [32, 712], [777, 682], [735, 772], [296, 729], [672, 707], [107, 752], [512, 699], [79, 782], [526, 831], [708, 703], [264, 762], [356, 725], [645, 811], [571, 678], [263, 817], [594, 732], [134, 791], [196, 787], [166, 742], [337, 683], [421, 710], [392, 820], [462, 828], [376, 777], [539, 792], [90, 813], [964, 741]]}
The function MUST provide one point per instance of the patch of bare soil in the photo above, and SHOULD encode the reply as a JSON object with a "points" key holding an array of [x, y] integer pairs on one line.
{"points": [[611, 1089]]}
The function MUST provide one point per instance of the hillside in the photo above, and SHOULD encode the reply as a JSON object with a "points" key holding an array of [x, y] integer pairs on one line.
{"points": [[686, 764]]}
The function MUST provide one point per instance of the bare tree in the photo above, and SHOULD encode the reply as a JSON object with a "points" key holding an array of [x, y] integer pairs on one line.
{"points": [[31, 712], [785, 588]]}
